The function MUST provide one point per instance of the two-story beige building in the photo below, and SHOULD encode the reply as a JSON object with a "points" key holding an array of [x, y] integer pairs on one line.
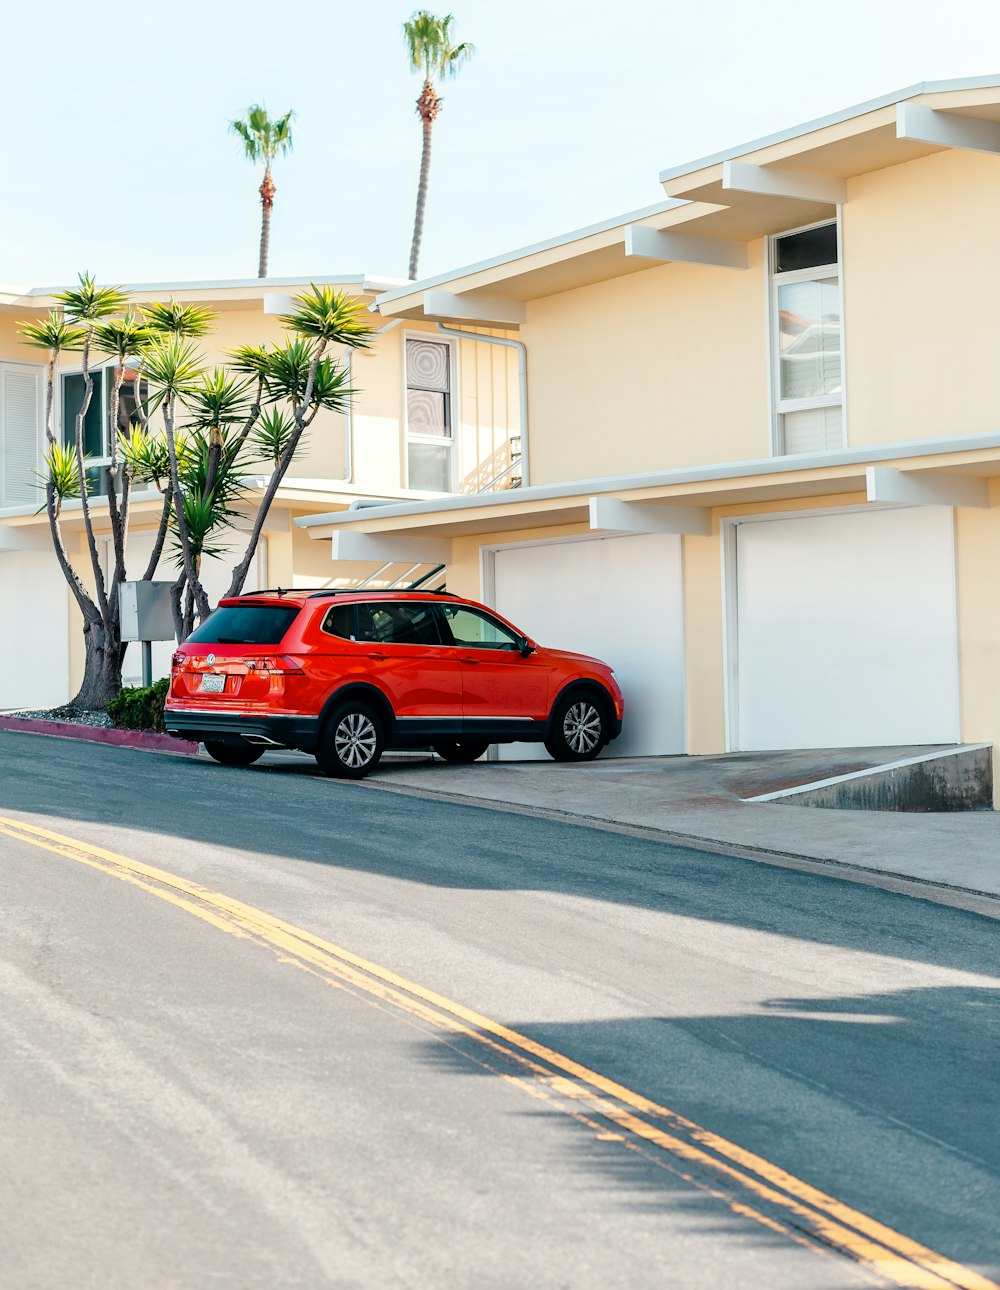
{"points": [[762, 439]]}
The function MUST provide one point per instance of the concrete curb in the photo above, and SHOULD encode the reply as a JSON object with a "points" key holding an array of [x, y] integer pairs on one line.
{"points": [[100, 735], [971, 899]]}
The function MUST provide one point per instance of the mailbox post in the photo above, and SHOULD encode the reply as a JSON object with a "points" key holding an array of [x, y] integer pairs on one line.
{"points": [[145, 615]]}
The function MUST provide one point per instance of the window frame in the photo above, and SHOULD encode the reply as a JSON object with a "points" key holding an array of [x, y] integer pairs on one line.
{"points": [[102, 391], [451, 439], [779, 407]]}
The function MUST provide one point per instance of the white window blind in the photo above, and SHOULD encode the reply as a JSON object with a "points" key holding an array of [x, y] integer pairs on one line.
{"points": [[21, 430]]}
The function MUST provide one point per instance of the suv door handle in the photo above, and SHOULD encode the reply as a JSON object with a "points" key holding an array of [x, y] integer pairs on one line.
{"points": [[375, 654], [468, 658]]}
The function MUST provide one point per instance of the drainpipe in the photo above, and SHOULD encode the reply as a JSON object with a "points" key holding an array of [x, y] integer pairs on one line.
{"points": [[349, 410], [522, 381]]}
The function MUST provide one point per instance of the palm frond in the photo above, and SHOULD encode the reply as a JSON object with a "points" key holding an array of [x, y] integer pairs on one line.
{"points": [[123, 336], [263, 139], [218, 400], [325, 313], [330, 389], [288, 370], [88, 302], [428, 40], [146, 456], [53, 333], [174, 319], [62, 468], [172, 367], [272, 434], [252, 360]]}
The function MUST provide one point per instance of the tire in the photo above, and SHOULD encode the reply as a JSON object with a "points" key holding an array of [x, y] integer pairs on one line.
{"points": [[462, 751], [578, 729], [233, 754], [350, 746]]}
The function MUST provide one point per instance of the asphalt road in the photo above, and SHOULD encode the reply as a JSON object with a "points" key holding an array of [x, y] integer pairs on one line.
{"points": [[570, 1058]]}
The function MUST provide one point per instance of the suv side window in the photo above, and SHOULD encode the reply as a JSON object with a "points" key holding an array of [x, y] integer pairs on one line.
{"points": [[341, 621], [476, 630], [398, 623]]}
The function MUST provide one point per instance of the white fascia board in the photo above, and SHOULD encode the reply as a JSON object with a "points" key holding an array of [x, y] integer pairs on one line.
{"points": [[684, 248], [928, 125], [522, 253], [741, 177], [894, 487], [262, 285], [584, 488], [466, 307], [386, 549], [610, 515], [835, 118]]}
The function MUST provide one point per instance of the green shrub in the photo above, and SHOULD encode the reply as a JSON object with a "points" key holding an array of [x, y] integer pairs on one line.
{"points": [[140, 707]]}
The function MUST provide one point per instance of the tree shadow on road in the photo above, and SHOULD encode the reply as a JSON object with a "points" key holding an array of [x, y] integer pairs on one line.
{"points": [[887, 1102]]}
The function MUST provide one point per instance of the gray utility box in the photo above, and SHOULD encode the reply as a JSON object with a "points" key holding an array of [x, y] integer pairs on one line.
{"points": [[145, 612]]}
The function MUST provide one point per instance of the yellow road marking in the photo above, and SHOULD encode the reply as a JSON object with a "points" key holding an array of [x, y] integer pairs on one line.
{"points": [[810, 1215]]}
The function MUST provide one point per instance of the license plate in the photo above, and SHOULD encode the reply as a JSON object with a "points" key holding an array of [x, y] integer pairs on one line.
{"points": [[213, 683]]}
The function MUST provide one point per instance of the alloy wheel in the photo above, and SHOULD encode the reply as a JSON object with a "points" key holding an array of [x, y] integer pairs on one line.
{"points": [[355, 740], [582, 727]]}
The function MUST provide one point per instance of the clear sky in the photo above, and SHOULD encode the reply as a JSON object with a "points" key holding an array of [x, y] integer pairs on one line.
{"points": [[118, 159]]}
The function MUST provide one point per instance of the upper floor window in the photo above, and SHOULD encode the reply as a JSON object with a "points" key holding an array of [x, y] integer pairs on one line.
{"points": [[97, 419], [430, 436], [807, 342]]}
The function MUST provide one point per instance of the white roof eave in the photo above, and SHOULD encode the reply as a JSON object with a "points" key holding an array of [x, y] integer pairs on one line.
{"points": [[663, 478]]}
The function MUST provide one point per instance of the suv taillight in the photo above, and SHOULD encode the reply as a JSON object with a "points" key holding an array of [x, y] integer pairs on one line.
{"points": [[279, 663]]}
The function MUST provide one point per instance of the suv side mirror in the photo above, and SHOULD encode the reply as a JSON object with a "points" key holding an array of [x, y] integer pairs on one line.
{"points": [[525, 646]]}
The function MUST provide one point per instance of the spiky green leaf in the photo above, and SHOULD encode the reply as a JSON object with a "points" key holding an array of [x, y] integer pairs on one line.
{"points": [[88, 303], [53, 333], [174, 319], [324, 313]]}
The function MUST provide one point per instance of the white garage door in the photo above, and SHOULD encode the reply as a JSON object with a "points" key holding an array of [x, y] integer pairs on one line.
{"points": [[619, 599], [846, 630]]}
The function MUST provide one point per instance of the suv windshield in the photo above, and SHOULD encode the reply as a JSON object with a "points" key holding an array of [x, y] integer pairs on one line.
{"points": [[246, 625]]}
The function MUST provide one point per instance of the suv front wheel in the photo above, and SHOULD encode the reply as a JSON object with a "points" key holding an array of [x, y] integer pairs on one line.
{"points": [[579, 728], [351, 744]]}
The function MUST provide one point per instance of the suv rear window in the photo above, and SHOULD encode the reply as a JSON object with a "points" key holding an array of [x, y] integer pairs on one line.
{"points": [[246, 625]]}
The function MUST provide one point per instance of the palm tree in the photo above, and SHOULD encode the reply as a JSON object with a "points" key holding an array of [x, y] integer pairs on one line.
{"points": [[264, 140], [432, 53]]}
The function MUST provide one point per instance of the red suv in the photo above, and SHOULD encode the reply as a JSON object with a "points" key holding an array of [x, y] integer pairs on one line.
{"points": [[346, 674]]}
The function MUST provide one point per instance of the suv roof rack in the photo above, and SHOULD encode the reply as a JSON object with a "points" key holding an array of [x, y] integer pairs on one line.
{"points": [[313, 593]]}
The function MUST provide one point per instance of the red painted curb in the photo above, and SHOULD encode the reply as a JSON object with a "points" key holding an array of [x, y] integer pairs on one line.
{"points": [[100, 734]]}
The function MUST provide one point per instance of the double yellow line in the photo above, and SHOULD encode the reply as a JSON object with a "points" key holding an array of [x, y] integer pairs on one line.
{"points": [[750, 1185]]}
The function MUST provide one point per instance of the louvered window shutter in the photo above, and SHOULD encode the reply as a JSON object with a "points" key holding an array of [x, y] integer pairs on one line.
{"points": [[21, 396]]}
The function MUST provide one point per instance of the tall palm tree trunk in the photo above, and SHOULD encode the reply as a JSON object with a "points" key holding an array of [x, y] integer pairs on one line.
{"points": [[267, 191], [428, 106]]}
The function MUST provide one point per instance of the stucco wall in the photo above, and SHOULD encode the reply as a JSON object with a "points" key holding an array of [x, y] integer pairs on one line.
{"points": [[662, 368], [921, 277]]}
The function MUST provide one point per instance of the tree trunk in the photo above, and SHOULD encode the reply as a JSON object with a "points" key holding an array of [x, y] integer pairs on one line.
{"points": [[267, 191], [102, 668], [428, 106]]}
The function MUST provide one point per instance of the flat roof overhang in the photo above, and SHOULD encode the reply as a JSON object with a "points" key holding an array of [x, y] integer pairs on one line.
{"points": [[955, 464]]}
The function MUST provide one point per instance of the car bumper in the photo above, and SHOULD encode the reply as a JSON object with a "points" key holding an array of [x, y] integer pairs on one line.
{"points": [[242, 728]]}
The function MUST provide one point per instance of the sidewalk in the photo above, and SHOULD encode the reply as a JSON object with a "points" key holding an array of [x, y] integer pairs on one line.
{"points": [[698, 800]]}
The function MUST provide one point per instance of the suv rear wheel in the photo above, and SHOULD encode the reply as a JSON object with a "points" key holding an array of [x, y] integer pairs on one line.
{"points": [[579, 728], [352, 740]]}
